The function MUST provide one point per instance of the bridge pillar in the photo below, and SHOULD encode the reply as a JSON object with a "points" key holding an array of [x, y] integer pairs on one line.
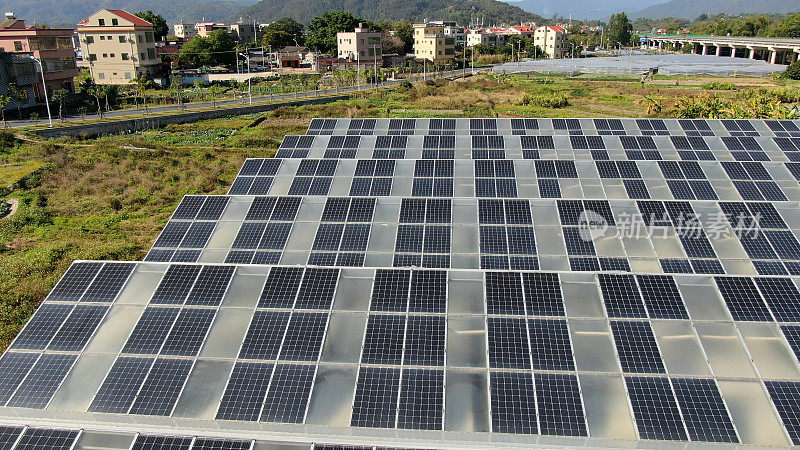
{"points": [[752, 52], [773, 58], [733, 52], [705, 49], [719, 50], [795, 56]]}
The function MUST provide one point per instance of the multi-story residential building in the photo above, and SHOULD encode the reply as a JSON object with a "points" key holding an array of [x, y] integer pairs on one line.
{"points": [[118, 46], [52, 47], [19, 69], [205, 28], [243, 32], [487, 37], [553, 41], [459, 35], [359, 45], [184, 30], [432, 44]]}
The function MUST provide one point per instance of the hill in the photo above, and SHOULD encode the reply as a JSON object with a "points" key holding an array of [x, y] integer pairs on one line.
{"points": [[67, 13], [492, 11], [583, 9], [690, 9]]}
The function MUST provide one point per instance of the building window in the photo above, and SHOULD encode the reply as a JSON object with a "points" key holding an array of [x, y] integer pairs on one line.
{"points": [[125, 57], [122, 39], [139, 37], [101, 22], [149, 36], [109, 38], [92, 57], [113, 55], [17, 46], [90, 39], [114, 22], [151, 53], [127, 75], [105, 55], [102, 38], [101, 76], [143, 56]]}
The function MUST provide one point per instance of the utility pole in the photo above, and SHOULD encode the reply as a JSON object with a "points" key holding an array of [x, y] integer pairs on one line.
{"points": [[44, 88], [375, 55]]}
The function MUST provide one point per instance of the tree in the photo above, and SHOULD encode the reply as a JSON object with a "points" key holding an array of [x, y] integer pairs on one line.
{"points": [[160, 27], [322, 30], [283, 33], [140, 89], [60, 96], [619, 30], [793, 71], [788, 27], [18, 96], [4, 101], [216, 49], [405, 31]]}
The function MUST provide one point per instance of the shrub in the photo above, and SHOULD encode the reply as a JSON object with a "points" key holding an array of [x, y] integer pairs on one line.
{"points": [[793, 71], [545, 100], [7, 139], [719, 86]]}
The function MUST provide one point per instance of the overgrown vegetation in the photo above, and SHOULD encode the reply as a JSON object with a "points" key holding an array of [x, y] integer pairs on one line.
{"points": [[719, 86]]}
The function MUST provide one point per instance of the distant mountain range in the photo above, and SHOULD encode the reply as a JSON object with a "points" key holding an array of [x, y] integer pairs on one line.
{"points": [[67, 13], [461, 11], [582, 9], [690, 9]]}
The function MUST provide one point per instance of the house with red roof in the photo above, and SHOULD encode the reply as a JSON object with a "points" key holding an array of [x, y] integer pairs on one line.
{"points": [[118, 46], [553, 40]]}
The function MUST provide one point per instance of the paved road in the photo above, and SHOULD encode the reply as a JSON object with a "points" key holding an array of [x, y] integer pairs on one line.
{"points": [[187, 107]]}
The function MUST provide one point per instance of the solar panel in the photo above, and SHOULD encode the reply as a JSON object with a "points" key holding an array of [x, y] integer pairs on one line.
{"points": [[189, 331], [14, 366], [377, 392], [428, 292], [41, 328], [108, 282], [421, 400], [74, 282], [559, 404], [508, 343], [264, 336], [245, 392], [513, 403], [743, 299], [661, 297], [786, 398], [390, 290], [288, 394], [304, 335], [704, 412], [550, 344], [655, 409], [38, 438], [123, 381], [42, 381], [621, 296], [425, 341], [636, 346], [78, 328], [383, 340], [161, 388], [8, 436], [504, 293]]}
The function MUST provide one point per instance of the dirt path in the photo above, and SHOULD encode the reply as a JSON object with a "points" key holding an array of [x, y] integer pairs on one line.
{"points": [[14, 202]]}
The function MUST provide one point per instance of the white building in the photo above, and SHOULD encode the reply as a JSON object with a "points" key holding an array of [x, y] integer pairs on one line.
{"points": [[359, 44], [184, 30], [553, 40]]}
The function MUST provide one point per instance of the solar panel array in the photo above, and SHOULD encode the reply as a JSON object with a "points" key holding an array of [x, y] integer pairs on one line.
{"points": [[486, 277]]}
